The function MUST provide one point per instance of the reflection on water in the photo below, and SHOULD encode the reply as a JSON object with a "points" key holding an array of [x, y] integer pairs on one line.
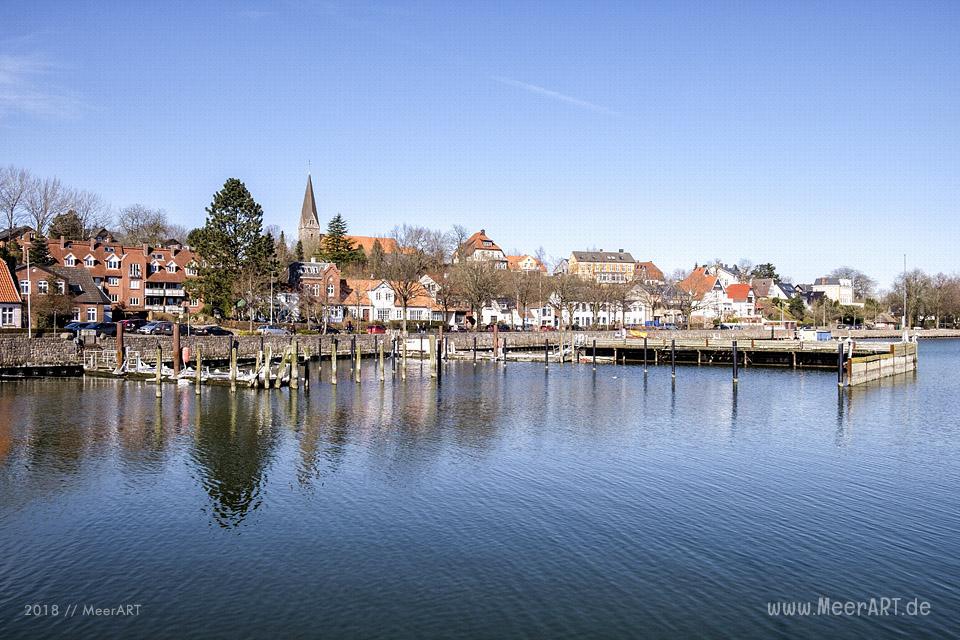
{"points": [[504, 501]]}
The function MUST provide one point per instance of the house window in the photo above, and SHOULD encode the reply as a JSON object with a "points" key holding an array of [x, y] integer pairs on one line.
{"points": [[191, 271], [383, 314], [113, 263], [158, 256], [194, 303], [43, 287], [70, 261], [25, 287], [134, 302], [171, 268], [134, 284], [6, 316], [108, 249], [89, 261], [91, 314], [135, 270], [114, 298], [113, 281], [76, 314], [61, 287], [330, 290]]}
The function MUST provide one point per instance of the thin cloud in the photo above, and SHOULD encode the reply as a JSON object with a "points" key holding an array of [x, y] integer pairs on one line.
{"points": [[556, 95], [23, 90]]}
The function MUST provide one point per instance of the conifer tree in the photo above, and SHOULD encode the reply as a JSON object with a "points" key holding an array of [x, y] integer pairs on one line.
{"points": [[336, 247], [39, 253]]}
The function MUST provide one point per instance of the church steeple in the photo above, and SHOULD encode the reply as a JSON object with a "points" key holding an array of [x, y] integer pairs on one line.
{"points": [[308, 213]]}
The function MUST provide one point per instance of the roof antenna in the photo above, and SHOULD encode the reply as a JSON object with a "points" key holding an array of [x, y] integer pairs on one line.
{"points": [[308, 167]]}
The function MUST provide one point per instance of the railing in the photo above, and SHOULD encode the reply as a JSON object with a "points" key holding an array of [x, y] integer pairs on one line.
{"points": [[172, 293]]}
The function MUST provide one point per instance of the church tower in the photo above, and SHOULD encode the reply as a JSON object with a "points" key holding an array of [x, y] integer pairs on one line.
{"points": [[309, 230]]}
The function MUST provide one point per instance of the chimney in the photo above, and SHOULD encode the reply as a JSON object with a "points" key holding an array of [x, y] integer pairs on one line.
{"points": [[62, 241], [619, 250], [483, 232]]}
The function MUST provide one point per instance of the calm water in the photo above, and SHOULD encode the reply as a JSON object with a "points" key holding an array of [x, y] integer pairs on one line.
{"points": [[507, 503]]}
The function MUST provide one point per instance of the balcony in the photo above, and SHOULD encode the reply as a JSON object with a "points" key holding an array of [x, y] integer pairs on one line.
{"points": [[170, 293], [161, 308]]}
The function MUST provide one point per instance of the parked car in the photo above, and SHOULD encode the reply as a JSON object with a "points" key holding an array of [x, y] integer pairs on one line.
{"points": [[332, 331], [500, 327], [148, 328], [212, 330], [548, 327], [132, 324], [74, 327], [376, 328], [103, 328], [272, 330]]}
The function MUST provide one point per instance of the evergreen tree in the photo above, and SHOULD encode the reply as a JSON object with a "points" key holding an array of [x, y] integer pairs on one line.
{"points": [[336, 247], [39, 253], [67, 225], [298, 251], [11, 254], [375, 260], [766, 270], [236, 255]]}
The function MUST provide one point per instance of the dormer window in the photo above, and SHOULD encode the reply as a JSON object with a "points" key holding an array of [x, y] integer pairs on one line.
{"points": [[108, 249], [171, 267], [113, 262], [69, 260], [89, 261]]}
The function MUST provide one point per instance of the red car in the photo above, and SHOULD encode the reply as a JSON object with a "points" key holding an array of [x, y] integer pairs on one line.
{"points": [[376, 328], [548, 327]]}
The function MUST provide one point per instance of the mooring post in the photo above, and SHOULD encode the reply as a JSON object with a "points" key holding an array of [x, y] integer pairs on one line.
{"points": [[158, 367], [504, 350], [433, 356], [176, 348], [120, 352], [353, 350], [839, 364], [439, 362], [673, 358], [233, 364], [474, 350], [383, 366], [644, 354], [594, 354], [736, 363], [295, 366], [546, 354], [333, 361], [403, 361], [199, 369], [357, 369], [496, 341]]}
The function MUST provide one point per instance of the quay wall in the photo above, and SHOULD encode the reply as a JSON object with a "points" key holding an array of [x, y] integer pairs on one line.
{"points": [[16, 349]]}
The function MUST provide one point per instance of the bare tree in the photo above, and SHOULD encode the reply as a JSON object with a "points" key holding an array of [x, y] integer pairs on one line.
{"points": [[139, 224], [15, 183], [622, 295], [863, 285], [45, 199], [93, 212], [457, 237], [523, 287], [479, 283], [403, 267]]}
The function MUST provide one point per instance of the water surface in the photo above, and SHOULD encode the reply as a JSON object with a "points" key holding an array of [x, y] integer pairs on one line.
{"points": [[507, 502]]}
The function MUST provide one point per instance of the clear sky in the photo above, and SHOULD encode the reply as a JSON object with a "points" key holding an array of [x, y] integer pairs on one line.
{"points": [[808, 134]]}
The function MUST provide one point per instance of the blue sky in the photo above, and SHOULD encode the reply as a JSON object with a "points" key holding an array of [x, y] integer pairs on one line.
{"points": [[808, 134]]}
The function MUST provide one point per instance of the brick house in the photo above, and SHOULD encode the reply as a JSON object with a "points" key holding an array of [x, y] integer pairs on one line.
{"points": [[11, 304], [314, 284], [135, 279], [603, 266], [88, 303]]}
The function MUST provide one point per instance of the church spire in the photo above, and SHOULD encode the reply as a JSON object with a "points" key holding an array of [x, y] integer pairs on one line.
{"points": [[308, 213]]}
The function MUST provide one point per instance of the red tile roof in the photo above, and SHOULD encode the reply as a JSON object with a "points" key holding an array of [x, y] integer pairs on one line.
{"points": [[653, 271], [9, 293], [738, 292], [698, 283], [477, 242]]}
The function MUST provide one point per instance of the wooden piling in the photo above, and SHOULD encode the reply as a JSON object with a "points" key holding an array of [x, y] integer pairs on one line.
{"points": [[433, 356], [736, 376], [233, 365], [295, 366], [357, 370], [403, 363], [474, 350], [496, 341], [333, 361], [159, 367], [383, 366], [673, 358], [120, 352], [594, 350], [176, 348], [839, 364], [199, 364], [546, 354], [644, 354]]}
